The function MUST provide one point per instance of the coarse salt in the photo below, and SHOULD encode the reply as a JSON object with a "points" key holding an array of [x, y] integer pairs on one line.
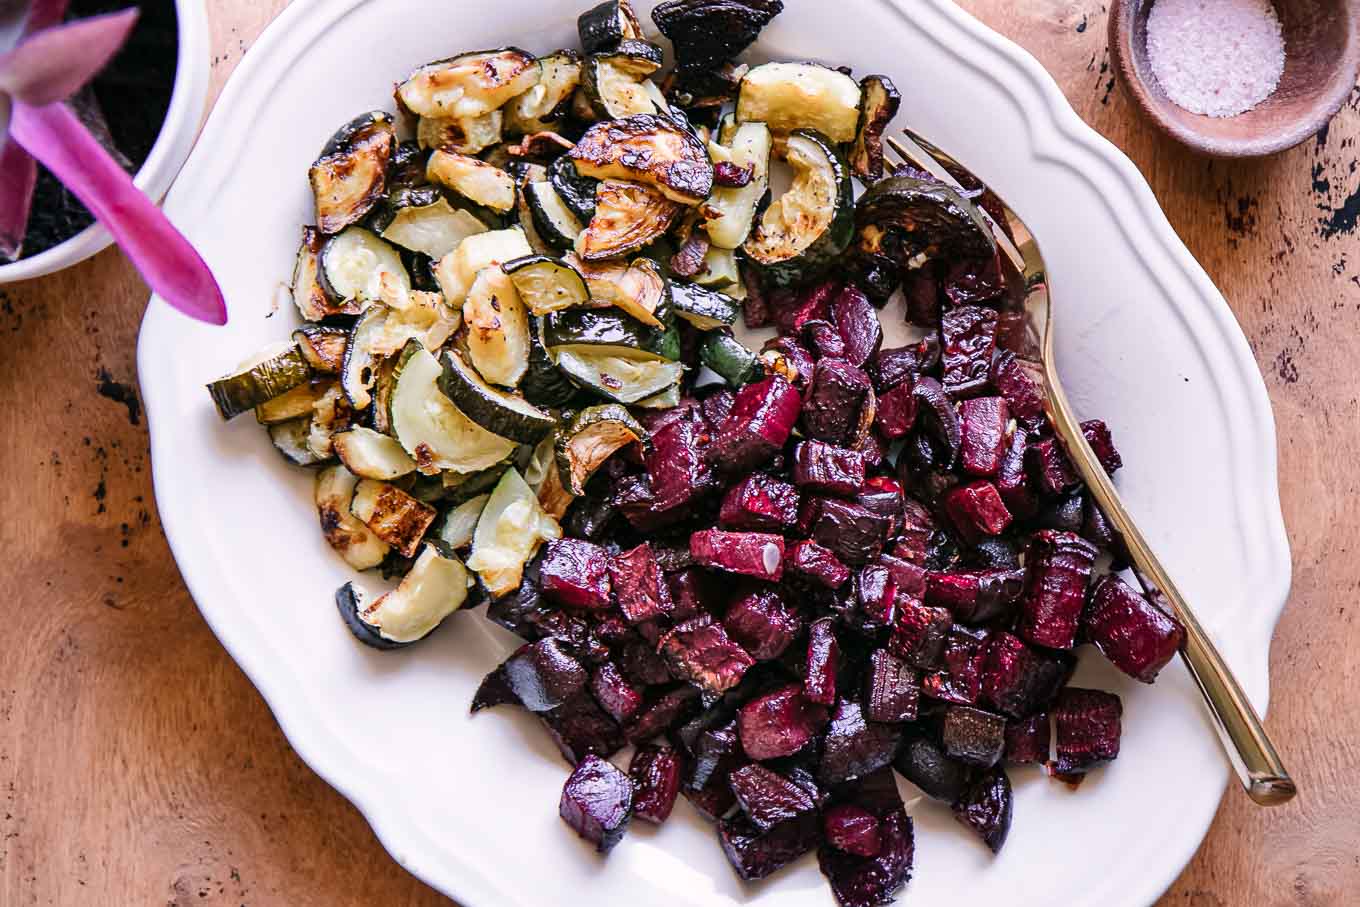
{"points": [[1216, 57]]}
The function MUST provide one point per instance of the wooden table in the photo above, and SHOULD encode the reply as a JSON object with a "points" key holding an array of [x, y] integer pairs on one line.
{"points": [[140, 767]]}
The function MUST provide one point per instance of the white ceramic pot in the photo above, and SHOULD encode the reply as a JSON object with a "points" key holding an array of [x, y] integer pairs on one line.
{"points": [[172, 147]]}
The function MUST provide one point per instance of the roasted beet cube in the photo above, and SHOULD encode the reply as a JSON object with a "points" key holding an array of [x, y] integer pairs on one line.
{"points": [[640, 664], [968, 337], [1064, 513], [810, 561], [868, 881], [655, 771], [638, 585], [971, 281], [1057, 567], [701, 652], [855, 318], [790, 359], [824, 339], [937, 420], [632, 496], [1134, 634], [760, 503], [852, 829], [493, 691], [669, 710], [1050, 469], [581, 728], [853, 747], [1022, 387], [896, 366], [985, 807], [1012, 479], [1097, 434], [922, 291], [965, 651], [975, 596], [983, 421], [755, 854], [923, 762], [883, 495], [919, 634], [717, 406], [755, 308], [973, 736], [1028, 740], [793, 310], [614, 694], [575, 574], [714, 801], [597, 802], [896, 412], [1088, 726], [716, 752], [1018, 681], [823, 660], [910, 578], [763, 624], [818, 466], [768, 798], [543, 675], [852, 532], [833, 403], [676, 467], [913, 540], [892, 689], [757, 427], [977, 509], [692, 593], [1095, 527], [779, 723], [757, 554]]}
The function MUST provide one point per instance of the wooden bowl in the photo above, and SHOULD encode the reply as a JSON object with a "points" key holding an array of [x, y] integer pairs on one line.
{"points": [[1322, 56]]}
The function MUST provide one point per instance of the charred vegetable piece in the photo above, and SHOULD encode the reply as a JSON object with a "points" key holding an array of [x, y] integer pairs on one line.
{"points": [[308, 294], [1058, 565], [655, 771], [591, 438], [496, 410], [964, 655], [1012, 480], [810, 561], [854, 747], [580, 728], [709, 33], [1088, 729], [852, 532], [470, 85], [334, 493], [1134, 634], [547, 285], [615, 85], [544, 104], [1018, 681], [628, 216], [392, 515], [676, 467], [923, 762], [793, 96], [892, 689], [754, 855], [458, 270], [1028, 740], [973, 736], [853, 830], [672, 708], [597, 802], [1022, 387], [648, 149], [919, 634], [614, 694], [985, 807], [760, 503], [434, 587], [759, 424], [434, 229], [576, 191], [779, 723], [638, 288], [1050, 469], [975, 596], [704, 309], [272, 373], [430, 427], [818, 466], [623, 379], [475, 180], [509, 531], [902, 216], [762, 623], [716, 753], [833, 408], [465, 135], [878, 105], [757, 554], [602, 27], [867, 881], [543, 675], [968, 336], [575, 574], [701, 652], [350, 176], [497, 329], [638, 585], [553, 221], [768, 798]]}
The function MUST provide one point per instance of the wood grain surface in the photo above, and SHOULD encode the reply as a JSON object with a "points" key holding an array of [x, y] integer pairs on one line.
{"points": [[139, 766]]}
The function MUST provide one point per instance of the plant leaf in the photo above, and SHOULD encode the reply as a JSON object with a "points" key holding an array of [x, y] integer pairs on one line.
{"points": [[56, 137], [52, 64], [18, 177]]}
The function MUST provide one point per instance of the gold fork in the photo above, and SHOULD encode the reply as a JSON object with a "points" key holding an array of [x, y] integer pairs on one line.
{"points": [[1244, 740]]}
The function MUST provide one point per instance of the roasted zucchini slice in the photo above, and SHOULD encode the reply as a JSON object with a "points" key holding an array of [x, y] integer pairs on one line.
{"points": [[436, 586], [275, 370], [667, 399], [624, 380], [322, 346], [554, 222], [543, 384], [809, 226], [705, 309], [477, 181], [924, 218], [359, 372], [497, 328], [353, 263], [293, 404], [628, 217], [290, 439], [432, 430], [731, 211], [576, 191], [331, 413], [499, 411], [729, 358], [547, 284], [511, 528], [458, 524], [467, 135], [372, 455], [334, 493], [720, 270], [592, 436], [654, 150], [543, 105], [434, 230], [878, 105], [308, 294], [351, 175], [470, 85], [615, 83], [392, 515], [602, 28], [638, 288], [790, 96], [602, 332], [457, 270]]}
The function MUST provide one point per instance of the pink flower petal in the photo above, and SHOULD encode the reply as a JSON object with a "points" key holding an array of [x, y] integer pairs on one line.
{"points": [[56, 137], [54, 63], [18, 176]]}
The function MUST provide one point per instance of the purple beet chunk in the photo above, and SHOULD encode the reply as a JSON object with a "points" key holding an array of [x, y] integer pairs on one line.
{"points": [[852, 829], [755, 854], [824, 339], [597, 802], [714, 801], [823, 660], [975, 596], [892, 689], [884, 496], [768, 798], [977, 509], [818, 466], [832, 405], [757, 427], [896, 366], [1134, 634], [758, 554], [701, 652], [762, 623], [896, 413], [1018, 681], [937, 418], [1012, 479], [910, 578], [716, 752], [983, 421], [779, 723], [670, 709], [614, 694], [872, 605], [985, 807], [692, 593], [923, 762], [972, 281], [810, 561], [642, 666], [543, 675], [922, 292], [493, 691], [853, 747], [855, 318], [1057, 567], [797, 363], [655, 771], [869, 881], [633, 497], [972, 736], [1022, 388], [852, 532], [756, 306], [960, 682], [760, 503], [1050, 469], [716, 407], [1097, 434], [575, 574], [1095, 528], [676, 467], [1088, 728], [581, 728], [638, 585], [919, 634], [792, 311], [918, 526], [1028, 740], [968, 337]]}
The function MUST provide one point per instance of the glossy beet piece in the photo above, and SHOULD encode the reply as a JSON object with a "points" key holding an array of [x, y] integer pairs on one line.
{"points": [[701, 652], [716, 407], [768, 798], [633, 497], [913, 539], [823, 661], [892, 689], [581, 728], [854, 747], [893, 367], [597, 802], [1064, 513], [995, 554], [871, 604], [896, 412], [884, 496], [796, 362], [1057, 565], [922, 291], [1028, 740], [824, 340], [760, 503], [494, 690], [937, 418], [1050, 469], [910, 578], [983, 423], [972, 281], [868, 881], [854, 316], [655, 772], [713, 802], [975, 596], [543, 675], [923, 762], [755, 854], [1134, 634], [1096, 528], [1012, 479], [1022, 388], [755, 430], [779, 723], [794, 309], [1018, 681], [639, 663], [693, 593], [852, 829], [967, 338], [762, 623], [919, 634], [809, 561], [832, 404], [638, 586], [614, 693], [985, 807], [716, 753], [669, 709], [575, 574], [757, 554], [818, 466], [977, 510], [852, 532], [964, 656], [1097, 434], [1088, 729], [972, 736], [678, 473]]}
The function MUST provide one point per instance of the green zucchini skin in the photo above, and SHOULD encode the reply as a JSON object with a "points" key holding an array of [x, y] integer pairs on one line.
{"points": [[242, 391], [553, 217], [576, 191], [499, 412], [610, 329], [727, 357], [705, 309], [349, 603], [926, 217], [544, 384], [879, 103], [350, 176], [601, 28]]}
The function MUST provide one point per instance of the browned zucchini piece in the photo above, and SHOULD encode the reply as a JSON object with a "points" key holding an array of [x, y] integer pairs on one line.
{"points": [[648, 149], [879, 101], [627, 217], [351, 175]]}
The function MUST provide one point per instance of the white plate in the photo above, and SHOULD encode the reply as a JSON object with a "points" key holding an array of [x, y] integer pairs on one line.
{"points": [[470, 805]]}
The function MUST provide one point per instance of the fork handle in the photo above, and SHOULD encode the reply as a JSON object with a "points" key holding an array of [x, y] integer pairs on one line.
{"points": [[1239, 728]]}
